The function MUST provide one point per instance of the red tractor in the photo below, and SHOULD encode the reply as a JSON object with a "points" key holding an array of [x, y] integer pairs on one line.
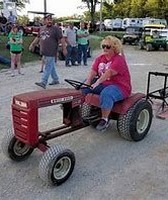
{"points": [[133, 115]]}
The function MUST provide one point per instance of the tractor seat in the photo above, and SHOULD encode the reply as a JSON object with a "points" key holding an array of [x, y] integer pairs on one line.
{"points": [[120, 106]]}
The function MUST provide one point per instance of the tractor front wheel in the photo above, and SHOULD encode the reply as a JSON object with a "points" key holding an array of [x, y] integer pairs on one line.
{"points": [[15, 149], [56, 165]]}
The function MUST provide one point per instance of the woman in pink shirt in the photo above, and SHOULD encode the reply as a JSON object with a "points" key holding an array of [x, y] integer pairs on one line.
{"points": [[114, 82]]}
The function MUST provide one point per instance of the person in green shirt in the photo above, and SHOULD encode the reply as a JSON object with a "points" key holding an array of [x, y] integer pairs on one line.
{"points": [[15, 41], [82, 40]]}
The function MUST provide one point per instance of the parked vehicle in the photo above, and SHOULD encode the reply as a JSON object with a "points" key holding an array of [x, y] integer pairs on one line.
{"points": [[126, 22], [117, 24], [154, 21], [113, 24], [163, 33], [108, 23], [32, 28], [151, 38], [132, 35]]}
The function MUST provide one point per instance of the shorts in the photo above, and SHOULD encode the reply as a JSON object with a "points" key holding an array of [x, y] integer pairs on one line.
{"points": [[16, 52]]}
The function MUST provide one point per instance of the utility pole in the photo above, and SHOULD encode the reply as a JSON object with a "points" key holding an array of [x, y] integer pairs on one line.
{"points": [[45, 6], [101, 6]]}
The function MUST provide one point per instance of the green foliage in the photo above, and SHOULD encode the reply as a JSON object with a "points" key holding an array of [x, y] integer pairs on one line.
{"points": [[140, 8], [23, 20], [127, 8], [91, 5]]}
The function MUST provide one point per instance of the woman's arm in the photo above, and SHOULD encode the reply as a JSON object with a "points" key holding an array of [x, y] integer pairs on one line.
{"points": [[90, 77], [108, 74]]}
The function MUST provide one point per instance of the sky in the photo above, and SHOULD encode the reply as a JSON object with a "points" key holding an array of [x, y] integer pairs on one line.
{"points": [[61, 8]]}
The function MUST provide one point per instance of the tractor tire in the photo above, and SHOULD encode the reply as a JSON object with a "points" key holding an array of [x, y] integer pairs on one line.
{"points": [[123, 41], [135, 124], [165, 47], [85, 110], [15, 149], [148, 47], [56, 165], [140, 46]]}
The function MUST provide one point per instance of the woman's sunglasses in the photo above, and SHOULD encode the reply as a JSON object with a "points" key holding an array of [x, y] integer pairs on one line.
{"points": [[106, 46]]}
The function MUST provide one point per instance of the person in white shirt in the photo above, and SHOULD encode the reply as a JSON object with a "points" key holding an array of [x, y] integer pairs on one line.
{"points": [[72, 50], [12, 18]]}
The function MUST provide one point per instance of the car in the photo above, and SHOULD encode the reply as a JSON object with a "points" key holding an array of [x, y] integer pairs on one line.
{"points": [[32, 28], [132, 35]]}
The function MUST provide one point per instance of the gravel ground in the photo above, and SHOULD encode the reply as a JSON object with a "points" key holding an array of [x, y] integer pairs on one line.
{"points": [[107, 166]]}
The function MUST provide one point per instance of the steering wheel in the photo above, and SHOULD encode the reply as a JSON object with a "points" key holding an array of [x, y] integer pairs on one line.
{"points": [[77, 84]]}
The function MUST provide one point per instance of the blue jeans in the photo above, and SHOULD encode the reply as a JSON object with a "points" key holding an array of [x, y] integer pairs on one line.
{"points": [[82, 53], [108, 95], [49, 69], [71, 55]]}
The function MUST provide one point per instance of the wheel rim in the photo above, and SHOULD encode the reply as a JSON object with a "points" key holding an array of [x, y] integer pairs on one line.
{"points": [[20, 148], [62, 167], [143, 121]]}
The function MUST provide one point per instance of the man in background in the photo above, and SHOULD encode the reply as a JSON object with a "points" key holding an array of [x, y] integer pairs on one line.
{"points": [[3, 21], [82, 40], [72, 50], [12, 18], [50, 37]]}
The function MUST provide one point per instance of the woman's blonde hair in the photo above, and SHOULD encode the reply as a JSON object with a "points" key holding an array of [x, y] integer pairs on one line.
{"points": [[115, 43]]}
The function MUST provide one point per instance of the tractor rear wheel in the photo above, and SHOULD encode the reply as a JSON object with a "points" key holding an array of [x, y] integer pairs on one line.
{"points": [[135, 124]]}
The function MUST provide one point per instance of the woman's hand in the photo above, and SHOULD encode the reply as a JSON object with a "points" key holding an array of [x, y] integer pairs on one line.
{"points": [[95, 84]]}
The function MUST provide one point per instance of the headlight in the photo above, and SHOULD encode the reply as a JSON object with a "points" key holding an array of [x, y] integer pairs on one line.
{"points": [[21, 103]]}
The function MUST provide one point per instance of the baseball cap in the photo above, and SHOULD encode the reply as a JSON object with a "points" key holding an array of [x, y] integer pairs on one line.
{"points": [[48, 15]]}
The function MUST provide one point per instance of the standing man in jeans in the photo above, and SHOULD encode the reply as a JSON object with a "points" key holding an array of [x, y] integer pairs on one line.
{"points": [[82, 40], [50, 36], [72, 49]]}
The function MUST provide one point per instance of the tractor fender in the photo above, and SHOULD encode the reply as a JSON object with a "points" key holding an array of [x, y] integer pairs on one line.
{"points": [[120, 107]]}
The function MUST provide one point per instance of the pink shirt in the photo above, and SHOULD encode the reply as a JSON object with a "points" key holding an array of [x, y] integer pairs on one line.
{"points": [[117, 63]]}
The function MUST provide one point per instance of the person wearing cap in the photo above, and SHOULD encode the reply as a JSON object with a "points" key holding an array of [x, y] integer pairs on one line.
{"points": [[50, 37]]}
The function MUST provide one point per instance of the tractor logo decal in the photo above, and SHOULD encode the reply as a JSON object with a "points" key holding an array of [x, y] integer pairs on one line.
{"points": [[63, 99]]}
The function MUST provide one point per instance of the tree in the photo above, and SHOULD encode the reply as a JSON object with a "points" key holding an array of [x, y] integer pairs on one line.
{"points": [[157, 8], [19, 4], [122, 8], [138, 8], [108, 10], [91, 5]]}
